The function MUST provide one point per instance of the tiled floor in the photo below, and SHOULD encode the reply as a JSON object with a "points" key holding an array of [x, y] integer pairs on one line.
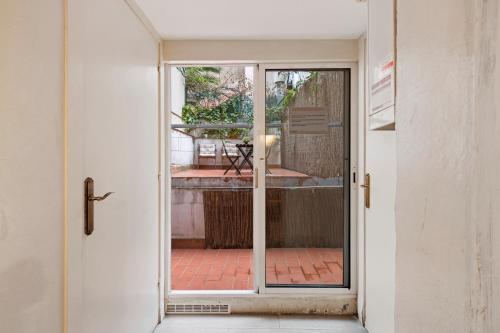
{"points": [[200, 269], [203, 173], [259, 324], [211, 269]]}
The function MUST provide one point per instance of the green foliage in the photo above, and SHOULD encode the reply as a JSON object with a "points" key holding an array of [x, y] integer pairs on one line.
{"points": [[211, 99], [237, 109], [201, 82], [275, 109]]}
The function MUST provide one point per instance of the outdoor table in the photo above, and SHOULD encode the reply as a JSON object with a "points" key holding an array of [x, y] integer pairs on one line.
{"points": [[246, 150]]}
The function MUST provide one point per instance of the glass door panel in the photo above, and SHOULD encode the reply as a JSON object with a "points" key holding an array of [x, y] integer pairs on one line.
{"points": [[307, 177], [211, 178]]}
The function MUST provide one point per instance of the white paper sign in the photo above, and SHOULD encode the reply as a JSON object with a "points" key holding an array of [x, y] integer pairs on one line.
{"points": [[382, 89]]}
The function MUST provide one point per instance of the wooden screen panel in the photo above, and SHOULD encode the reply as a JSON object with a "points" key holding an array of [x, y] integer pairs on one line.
{"points": [[307, 217], [228, 219]]}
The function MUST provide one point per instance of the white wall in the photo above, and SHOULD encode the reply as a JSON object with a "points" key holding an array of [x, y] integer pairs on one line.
{"points": [[31, 166], [260, 50], [177, 94], [448, 143], [182, 146]]}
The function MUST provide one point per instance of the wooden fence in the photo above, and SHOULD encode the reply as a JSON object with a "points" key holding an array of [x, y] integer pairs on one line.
{"points": [[304, 217]]}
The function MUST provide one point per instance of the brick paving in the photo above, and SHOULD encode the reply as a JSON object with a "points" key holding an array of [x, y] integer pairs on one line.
{"points": [[232, 269]]}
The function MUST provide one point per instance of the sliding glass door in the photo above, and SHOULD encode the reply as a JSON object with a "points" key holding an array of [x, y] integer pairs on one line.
{"points": [[259, 178], [307, 182]]}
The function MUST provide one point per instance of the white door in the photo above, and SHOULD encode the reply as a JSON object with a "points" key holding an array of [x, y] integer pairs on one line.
{"points": [[380, 231], [113, 138], [380, 163]]}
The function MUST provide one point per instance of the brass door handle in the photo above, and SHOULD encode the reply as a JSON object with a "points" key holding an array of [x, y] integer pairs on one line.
{"points": [[100, 198], [89, 204], [256, 177], [366, 187]]}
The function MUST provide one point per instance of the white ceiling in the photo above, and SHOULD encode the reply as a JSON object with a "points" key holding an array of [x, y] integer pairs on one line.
{"points": [[256, 19]]}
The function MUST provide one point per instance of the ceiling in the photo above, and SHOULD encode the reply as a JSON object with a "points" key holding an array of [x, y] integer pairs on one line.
{"points": [[256, 19]]}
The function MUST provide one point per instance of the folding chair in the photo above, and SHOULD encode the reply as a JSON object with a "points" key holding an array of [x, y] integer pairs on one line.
{"points": [[231, 152]]}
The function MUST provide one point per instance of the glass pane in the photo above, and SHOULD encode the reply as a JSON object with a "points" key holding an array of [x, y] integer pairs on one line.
{"points": [[211, 178], [306, 158]]}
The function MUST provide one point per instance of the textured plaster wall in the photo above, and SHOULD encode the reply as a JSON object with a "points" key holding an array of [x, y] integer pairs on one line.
{"points": [[31, 166], [448, 156]]}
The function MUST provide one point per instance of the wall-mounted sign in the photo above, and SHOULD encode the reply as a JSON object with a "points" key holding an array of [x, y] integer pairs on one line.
{"points": [[382, 87], [308, 120]]}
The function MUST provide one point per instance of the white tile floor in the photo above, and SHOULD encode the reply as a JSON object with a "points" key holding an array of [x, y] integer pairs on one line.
{"points": [[258, 324]]}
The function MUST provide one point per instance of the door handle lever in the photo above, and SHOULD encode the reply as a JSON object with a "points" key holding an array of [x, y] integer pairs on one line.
{"points": [[366, 187], [100, 198], [89, 204]]}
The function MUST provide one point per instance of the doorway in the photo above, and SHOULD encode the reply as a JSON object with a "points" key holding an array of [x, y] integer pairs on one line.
{"points": [[259, 183]]}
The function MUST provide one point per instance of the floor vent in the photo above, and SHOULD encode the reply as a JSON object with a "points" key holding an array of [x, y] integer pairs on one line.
{"points": [[198, 309]]}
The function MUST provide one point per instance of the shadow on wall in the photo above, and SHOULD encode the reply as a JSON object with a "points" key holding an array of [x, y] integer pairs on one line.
{"points": [[22, 291]]}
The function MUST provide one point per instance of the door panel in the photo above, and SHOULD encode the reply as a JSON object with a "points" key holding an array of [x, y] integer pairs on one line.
{"points": [[113, 138], [307, 163], [210, 131], [380, 231]]}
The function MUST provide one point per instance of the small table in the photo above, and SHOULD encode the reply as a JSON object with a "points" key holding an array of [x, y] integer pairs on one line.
{"points": [[246, 150]]}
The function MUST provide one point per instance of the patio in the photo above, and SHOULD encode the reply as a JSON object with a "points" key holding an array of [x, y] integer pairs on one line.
{"points": [[232, 269], [245, 173], [276, 177]]}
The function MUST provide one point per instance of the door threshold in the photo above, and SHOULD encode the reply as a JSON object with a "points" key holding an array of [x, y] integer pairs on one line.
{"points": [[250, 302], [202, 293]]}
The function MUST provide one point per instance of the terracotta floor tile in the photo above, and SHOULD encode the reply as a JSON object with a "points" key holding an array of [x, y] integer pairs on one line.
{"points": [[232, 269], [308, 268]]}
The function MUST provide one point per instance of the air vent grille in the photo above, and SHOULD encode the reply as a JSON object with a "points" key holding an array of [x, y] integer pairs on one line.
{"points": [[198, 309]]}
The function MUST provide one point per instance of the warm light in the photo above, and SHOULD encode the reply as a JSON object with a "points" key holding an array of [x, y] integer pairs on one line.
{"points": [[270, 139]]}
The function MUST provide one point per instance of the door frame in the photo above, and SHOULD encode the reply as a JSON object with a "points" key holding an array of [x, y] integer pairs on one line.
{"points": [[260, 212], [361, 144], [260, 290]]}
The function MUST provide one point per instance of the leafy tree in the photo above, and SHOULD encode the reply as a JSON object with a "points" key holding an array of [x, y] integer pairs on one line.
{"points": [[215, 100], [201, 82]]}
